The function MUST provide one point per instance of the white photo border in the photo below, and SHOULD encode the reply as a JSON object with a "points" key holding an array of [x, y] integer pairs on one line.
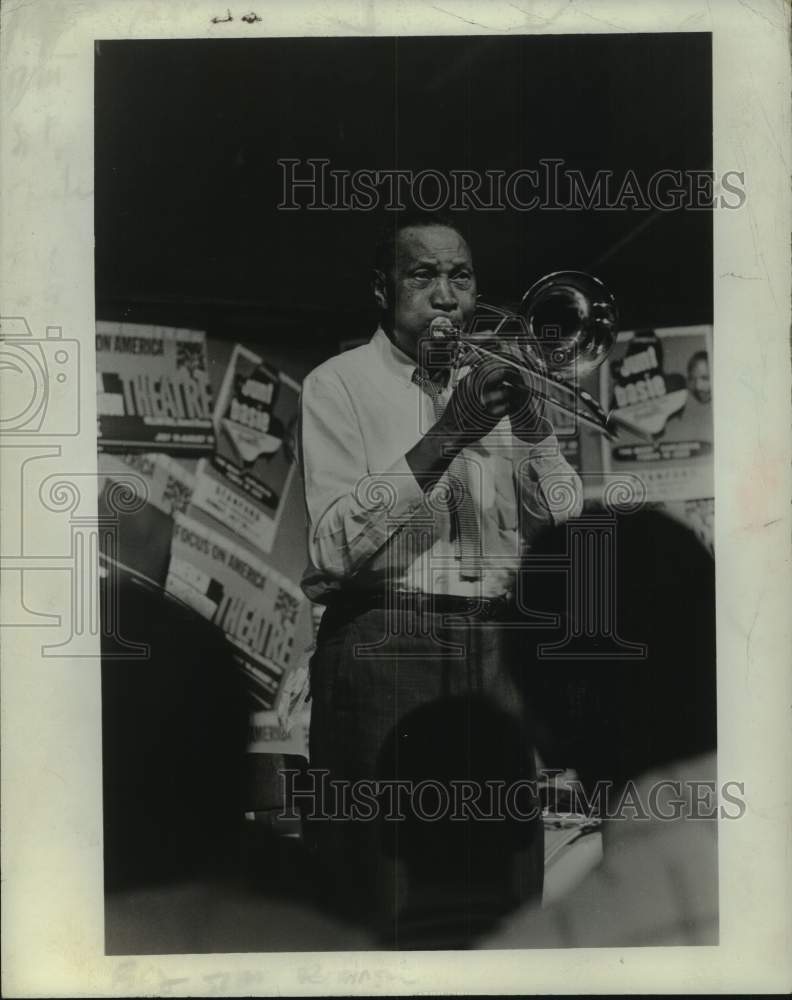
{"points": [[52, 900]]}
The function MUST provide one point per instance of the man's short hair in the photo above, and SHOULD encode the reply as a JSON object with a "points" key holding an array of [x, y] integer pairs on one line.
{"points": [[385, 251], [698, 356]]}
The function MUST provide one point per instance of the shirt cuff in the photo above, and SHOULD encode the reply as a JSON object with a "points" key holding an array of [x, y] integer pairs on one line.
{"points": [[543, 458], [559, 485]]}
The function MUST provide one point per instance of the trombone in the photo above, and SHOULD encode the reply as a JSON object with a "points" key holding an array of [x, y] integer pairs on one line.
{"points": [[563, 329]]}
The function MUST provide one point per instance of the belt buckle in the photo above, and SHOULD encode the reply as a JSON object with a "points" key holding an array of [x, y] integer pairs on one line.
{"points": [[469, 606], [462, 607], [475, 608], [494, 607], [487, 609]]}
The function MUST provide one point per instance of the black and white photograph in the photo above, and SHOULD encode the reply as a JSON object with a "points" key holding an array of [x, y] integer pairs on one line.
{"points": [[510, 695], [406, 561]]}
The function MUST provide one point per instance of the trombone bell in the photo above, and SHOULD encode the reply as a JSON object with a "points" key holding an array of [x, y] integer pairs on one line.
{"points": [[573, 320], [564, 328]]}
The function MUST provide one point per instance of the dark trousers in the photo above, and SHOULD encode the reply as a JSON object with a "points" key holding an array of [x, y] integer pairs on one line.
{"points": [[413, 697]]}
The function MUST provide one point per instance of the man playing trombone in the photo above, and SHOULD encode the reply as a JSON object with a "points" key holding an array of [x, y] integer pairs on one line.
{"points": [[425, 475]]}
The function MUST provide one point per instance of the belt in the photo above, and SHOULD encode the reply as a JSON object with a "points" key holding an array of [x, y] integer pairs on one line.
{"points": [[348, 604]]}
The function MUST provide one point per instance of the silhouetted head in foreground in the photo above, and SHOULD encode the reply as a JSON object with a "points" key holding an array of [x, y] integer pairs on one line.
{"points": [[467, 810], [610, 718], [173, 733]]}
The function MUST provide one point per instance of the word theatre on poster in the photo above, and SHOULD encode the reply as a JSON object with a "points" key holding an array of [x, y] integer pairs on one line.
{"points": [[255, 607], [152, 391]]}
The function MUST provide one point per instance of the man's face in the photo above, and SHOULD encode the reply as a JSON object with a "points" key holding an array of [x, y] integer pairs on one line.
{"points": [[433, 276], [699, 381]]}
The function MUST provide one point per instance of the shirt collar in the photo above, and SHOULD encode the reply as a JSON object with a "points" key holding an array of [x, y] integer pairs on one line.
{"points": [[394, 358]]}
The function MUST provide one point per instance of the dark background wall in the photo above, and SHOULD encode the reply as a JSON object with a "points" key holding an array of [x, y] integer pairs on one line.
{"points": [[187, 184]]}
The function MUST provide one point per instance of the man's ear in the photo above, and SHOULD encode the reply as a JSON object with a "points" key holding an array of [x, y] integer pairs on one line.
{"points": [[380, 287]]}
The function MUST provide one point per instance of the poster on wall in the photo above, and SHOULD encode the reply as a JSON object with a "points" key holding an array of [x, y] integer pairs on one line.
{"points": [[660, 381], [244, 484], [256, 607], [152, 389], [140, 539], [169, 485]]}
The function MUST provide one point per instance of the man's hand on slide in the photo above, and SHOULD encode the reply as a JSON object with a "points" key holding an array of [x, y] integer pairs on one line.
{"points": [[492, 390]]}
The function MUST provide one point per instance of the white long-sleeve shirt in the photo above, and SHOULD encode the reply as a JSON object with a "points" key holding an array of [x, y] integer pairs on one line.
{"points": [[370, 525]]}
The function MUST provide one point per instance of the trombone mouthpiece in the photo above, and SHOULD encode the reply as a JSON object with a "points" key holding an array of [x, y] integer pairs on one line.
{"points": [[442, 326]]}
